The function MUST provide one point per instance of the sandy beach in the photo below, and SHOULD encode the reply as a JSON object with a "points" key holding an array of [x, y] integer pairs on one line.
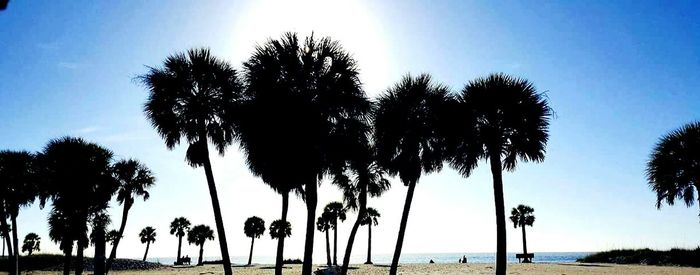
{"points": [[569, 268]]}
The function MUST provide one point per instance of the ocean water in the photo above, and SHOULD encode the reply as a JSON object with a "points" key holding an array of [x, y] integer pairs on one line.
{"points": [[540, 257]]}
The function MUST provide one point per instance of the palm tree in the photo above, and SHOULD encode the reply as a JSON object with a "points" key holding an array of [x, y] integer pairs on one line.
{"points": [[31, 243], [198, 235], [305, 92], [112, 236], [4, 231], [80, 184], [253, 228], [369, 219], [18, 188], [134, 180], [336, 211], [191, 97], [407, 137], [323, 224], [178, 227], [672, 168], [98, 239], [148, 236], [501, 119], [523, 216], [280, 229]]}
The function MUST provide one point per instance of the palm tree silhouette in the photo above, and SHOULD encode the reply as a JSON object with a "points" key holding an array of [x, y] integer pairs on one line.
{"points": [[253, 228], [178, 227], [503, 119], [523, 216], [18, 188], [191, 97], [148, 236], [134, 178], [31, 243], [369, 219], [307, 91], [280, 229], [99, 240], [4, 232], [336, 211], [408, 142], [323, 224], [198, 235], [112, 236], [79, 181], [672, 169]]}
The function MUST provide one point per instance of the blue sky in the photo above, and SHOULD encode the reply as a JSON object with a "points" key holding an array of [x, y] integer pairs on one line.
{"points": [[618, 74]]}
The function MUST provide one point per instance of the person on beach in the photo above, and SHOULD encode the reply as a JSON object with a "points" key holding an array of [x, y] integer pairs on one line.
{"points": [[464, 259]]}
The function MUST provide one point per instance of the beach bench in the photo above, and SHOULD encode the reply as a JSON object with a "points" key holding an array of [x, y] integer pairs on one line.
{"points": [[183, 261], [525, 258]]}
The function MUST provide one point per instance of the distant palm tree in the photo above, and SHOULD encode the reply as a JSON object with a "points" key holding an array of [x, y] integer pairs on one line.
{"points": [[134, 180], [523, 216], [672, 170], [112, 236], [336, 211], [369, 219], [198, 235], [80, 184], [4, 232], [31, 243], [191, 98], [148, 236], [254, 227], [280, 229], [179, 227], [18, 188], [305, 92], [407, 137], [323, 224], [502, 119]]}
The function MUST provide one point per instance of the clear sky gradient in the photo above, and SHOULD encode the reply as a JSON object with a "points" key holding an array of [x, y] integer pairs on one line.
{"points": [[619, 74]]}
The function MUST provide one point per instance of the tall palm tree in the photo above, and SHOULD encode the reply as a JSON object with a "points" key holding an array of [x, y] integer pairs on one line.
{"points": [[323, 224], [179, 227], [191, 97], [370, 219], [31, 243], [407, 137], [134, 180], [523, 216], [673, 165], [307, 91], [198, 235], [80, 184], [253, 228], [18, 188], [148, 236], [501, 119], [336, 211]]}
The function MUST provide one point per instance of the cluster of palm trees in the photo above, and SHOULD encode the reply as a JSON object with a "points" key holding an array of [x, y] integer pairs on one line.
{"points": [[299, 113], [78, 178], [196, 235]]}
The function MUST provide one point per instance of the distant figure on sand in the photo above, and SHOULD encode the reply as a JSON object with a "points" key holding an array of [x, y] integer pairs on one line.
{"points": [[464, 259], [460, 260], [431, 261]]}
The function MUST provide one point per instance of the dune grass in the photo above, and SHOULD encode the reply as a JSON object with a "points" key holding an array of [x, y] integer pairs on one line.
{"points": [[673, 257]]}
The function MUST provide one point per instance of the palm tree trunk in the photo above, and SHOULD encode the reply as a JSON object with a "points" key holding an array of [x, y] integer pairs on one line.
{"points": [[311, 202], [3, 245], [5, 234], [122, 226], [67, 259], [15, 258], [79, 259], [217, 209], [148, 245], [280, 242], [402, 228], [335, 242], [201, 252], [250, 256], [179, 248], [369, 243], [351, 240], [524, 241], [328, 250], [496, 170], [99, 260]]}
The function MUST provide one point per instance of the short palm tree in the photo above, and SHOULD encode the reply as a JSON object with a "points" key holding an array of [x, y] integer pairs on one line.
{"points": [[31, 243], [134, 180], [336, 211], [502, 119], [323, 224], [198, 235], [191, 98], [304, 91], [370, 219], [672, 168], [280, 229], [522, 216], [407, 137], [179, 227], [253, 228], [148, 236]]}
